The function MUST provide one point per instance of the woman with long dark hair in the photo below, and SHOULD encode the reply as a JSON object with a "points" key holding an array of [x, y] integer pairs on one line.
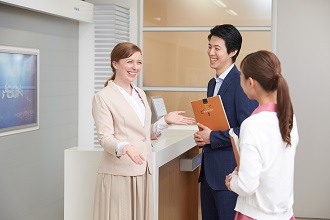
{"points": [[267, 142]]}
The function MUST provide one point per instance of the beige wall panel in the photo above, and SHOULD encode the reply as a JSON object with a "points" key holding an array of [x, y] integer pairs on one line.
{"points": [[178, 101], [180, 58], [178, 191], [207, 12], [175, 59]]}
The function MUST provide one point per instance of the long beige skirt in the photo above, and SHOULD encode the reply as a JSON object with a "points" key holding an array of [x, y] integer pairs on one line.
{"points": [[123, 197]]}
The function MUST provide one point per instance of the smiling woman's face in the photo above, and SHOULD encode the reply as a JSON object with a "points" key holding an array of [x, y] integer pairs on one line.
{"points": [[128, 69]]}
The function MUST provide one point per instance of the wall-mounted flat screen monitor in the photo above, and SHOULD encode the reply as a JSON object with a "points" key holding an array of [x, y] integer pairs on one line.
{"points": [[19, 90]]}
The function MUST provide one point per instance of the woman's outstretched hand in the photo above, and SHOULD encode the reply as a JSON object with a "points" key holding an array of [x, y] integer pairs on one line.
{"points": [[133, 153], [177, 117]]}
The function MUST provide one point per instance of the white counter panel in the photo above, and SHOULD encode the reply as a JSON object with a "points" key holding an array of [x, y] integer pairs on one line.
{"points": [[80, 172], [81, 164]]}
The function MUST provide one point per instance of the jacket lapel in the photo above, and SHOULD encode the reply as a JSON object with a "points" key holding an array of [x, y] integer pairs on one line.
{"points": [[127, 109], [226, 83], [146, 106], [211, 86]]}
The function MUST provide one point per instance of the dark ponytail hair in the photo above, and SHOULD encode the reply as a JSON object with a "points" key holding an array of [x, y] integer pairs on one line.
{"points": [[121, 51], [264, 67]]}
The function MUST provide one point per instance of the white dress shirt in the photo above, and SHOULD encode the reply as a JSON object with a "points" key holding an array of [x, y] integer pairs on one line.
{"points": [[220, 79]]}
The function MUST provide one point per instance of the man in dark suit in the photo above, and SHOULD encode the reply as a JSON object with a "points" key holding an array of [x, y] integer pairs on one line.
{"points": [[217, 201]]}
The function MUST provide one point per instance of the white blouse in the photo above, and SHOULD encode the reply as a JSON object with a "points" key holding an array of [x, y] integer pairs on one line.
{"points": [[139, 108]]}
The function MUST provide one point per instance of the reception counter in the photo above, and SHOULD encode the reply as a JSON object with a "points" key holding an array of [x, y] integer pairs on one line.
{"points": [[175, 190]]}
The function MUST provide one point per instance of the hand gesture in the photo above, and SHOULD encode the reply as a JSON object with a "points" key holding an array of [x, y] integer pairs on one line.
{"points": [[133, 153], [176, 117]]}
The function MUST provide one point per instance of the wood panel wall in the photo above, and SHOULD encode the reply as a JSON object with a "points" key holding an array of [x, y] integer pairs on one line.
{"points": [[178, 190]]}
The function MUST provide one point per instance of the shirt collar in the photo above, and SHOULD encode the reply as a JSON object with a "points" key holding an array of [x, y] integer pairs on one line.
{"points": [[224, 74], [120, 88], [269, 107]]}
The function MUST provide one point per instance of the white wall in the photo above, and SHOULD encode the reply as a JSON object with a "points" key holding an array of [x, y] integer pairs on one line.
{"points": [[32, 163], [72, 9], [303, 45]]}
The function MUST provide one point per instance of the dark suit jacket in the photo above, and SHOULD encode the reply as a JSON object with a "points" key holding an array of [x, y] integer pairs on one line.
{"points": [[218, 157]]}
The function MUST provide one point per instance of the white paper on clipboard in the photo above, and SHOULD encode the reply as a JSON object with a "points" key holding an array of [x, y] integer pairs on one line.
{"points": [[235, 144]]}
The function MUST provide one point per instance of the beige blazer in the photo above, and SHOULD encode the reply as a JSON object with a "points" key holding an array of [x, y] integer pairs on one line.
{"points": [[116, 121]]}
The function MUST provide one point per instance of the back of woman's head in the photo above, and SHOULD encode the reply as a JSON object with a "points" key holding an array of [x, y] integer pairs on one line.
{"points": [[264, 67], [121, 51]]}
